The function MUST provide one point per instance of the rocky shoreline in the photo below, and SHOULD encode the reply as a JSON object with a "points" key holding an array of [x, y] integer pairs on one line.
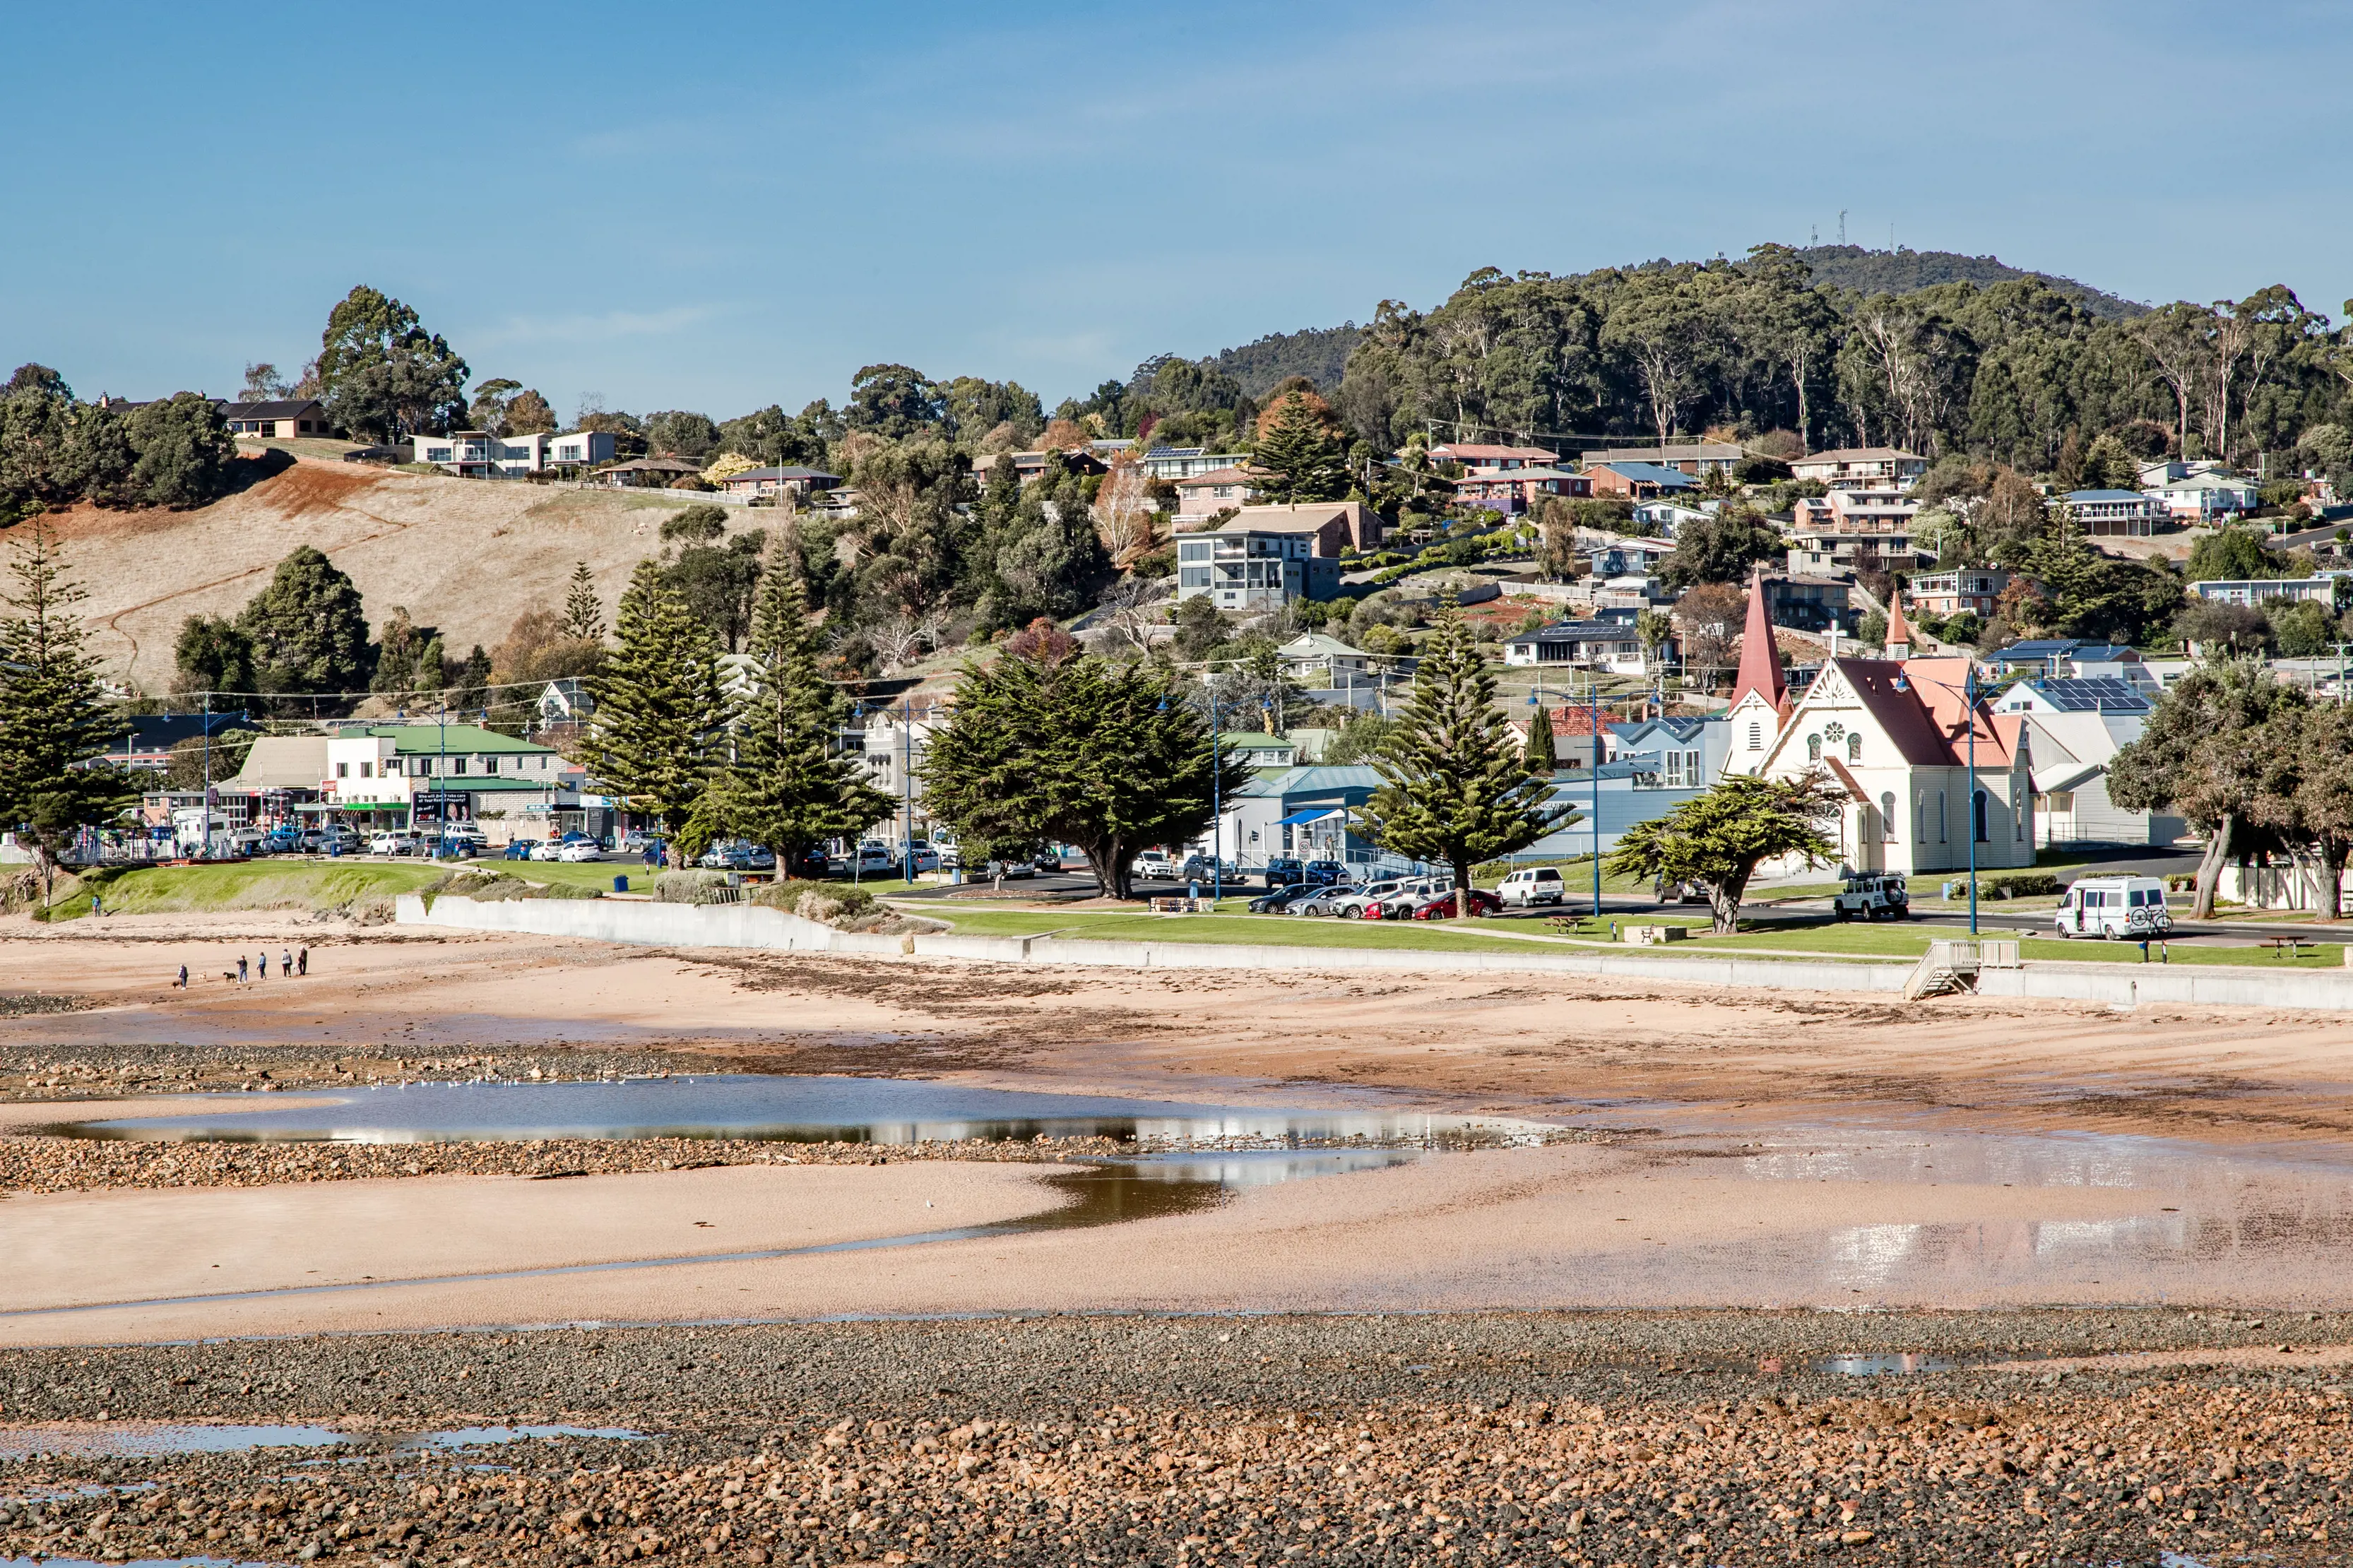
{"points": [[66, 1072], [1580, 1438], [33, 1164]]}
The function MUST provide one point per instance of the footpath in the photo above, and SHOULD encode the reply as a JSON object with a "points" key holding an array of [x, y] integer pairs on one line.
{"points": [[752, 926]]}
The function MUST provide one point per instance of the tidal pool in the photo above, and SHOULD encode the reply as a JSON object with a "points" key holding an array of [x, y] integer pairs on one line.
{"points": [[153, 1440], [802, 1110]]}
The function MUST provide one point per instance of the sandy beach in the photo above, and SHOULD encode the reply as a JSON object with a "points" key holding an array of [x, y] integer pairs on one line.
{"points": [[2100, 1256]]}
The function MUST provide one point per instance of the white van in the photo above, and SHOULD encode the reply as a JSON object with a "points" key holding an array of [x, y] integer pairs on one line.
{"points": [[1534, 885], [2113, 907]]}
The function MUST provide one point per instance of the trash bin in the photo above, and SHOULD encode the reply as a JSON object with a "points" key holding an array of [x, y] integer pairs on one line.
{"points": [[620, 884]]}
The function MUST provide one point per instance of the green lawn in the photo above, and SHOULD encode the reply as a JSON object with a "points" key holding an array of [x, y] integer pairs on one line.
{"points": [[1859, 941], [599, 874], [245, 885], [1118, 925]]}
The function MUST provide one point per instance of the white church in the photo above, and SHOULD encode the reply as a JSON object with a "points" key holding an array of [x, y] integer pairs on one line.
{"points": [[1898, 735]]}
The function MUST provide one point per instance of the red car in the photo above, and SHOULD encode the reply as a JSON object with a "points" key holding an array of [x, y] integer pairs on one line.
{"points": [[1483, 902]]}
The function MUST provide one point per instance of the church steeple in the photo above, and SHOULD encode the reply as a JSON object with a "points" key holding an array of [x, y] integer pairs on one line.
{"points": [[1760, 657], [1899, 632]]}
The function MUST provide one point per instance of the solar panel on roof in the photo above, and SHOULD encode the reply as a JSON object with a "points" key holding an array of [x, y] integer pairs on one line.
{"points": [[2093, 694]]}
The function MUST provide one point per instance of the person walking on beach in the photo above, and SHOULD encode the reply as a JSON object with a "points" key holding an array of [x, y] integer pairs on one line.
{"points": [[302, 962], [240, 969], [182, 981], [265, 963], [285, 964]]}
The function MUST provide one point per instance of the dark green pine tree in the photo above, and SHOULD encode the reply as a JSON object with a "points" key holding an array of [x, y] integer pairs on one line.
{"points": [[1455, 790], [788, 789], [1300, 456], [53, 714], [583, 612], [658, 708], [1541, 756]]}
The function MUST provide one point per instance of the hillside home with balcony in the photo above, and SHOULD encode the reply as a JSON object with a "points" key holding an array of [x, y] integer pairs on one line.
{"points": [[1862, 468]]}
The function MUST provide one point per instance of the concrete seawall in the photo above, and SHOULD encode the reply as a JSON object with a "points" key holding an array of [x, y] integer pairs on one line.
{"points": [[651, 924]]}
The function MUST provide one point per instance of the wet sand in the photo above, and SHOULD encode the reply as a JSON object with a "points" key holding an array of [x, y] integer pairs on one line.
{"points": [[78, 1247], [1580, 1227], [1822, 1151]]}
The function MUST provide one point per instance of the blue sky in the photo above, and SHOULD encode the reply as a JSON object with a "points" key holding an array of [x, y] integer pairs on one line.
{"points": [[726, 205]]}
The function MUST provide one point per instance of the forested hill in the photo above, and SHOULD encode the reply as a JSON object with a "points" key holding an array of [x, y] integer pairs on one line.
{"points": [[1908, 271], [1319, 353]]}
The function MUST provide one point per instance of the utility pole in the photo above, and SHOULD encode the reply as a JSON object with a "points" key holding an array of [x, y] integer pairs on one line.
{"points": [[907, 785], [205, 851]]}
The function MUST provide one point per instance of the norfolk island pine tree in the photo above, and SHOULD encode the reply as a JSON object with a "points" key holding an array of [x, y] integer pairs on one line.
{"points": [[1454, 789]]}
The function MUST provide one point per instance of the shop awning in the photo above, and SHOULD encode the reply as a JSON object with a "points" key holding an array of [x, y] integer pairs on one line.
{"points": [[1320, 814]]}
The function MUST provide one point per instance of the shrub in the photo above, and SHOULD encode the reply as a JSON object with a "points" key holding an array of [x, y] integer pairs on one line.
{"points": [[689, 887], [2021, 885]]}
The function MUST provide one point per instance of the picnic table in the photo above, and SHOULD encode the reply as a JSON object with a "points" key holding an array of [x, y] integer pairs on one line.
{"points": [[2290, 946]]}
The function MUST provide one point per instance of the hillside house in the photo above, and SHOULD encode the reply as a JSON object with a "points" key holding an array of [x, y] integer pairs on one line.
{"points": [[778, 482], [1973, 589], [1862, 468], [646, 473], [1202, 496], [1246, 569], [1514, 490], [1477, 458], [1693, 457], [2127, 512], [2324, 590], [1668, 518], [1638, 481], [282, 418], [1179, 463], [1854, 529], [2208, 495], [479, 455], [1611, 646]]}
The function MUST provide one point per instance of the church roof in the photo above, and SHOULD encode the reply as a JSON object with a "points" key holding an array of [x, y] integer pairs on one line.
{"points": [[1919, 706]]}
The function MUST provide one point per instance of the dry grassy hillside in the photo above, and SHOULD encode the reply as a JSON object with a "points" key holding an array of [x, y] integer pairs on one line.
{"points": [[466, 555]]}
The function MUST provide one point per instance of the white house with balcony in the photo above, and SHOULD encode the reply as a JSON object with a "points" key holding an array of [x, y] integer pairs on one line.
{"points": [[2206, 496], [1862, 468], [479, 455], [2127, 512], [1250, 570]]}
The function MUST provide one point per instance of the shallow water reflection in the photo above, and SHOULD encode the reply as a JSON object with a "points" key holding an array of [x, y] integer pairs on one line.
{"points": [[147, 1440], [812, 1109]]}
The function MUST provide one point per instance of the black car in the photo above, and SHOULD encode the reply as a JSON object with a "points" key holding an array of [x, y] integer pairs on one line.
{"points": [[1283, 872], [1280, 900], [1324, 873]]}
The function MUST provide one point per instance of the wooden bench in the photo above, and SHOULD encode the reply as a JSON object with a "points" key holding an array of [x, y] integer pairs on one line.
{"points": [[2290, 946]]}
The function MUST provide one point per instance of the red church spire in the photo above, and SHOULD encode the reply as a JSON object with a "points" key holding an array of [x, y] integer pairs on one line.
{"points": [[1899, 632], [1760, 657]]}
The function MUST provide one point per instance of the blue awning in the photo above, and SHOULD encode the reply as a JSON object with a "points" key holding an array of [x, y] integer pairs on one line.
{"points": [[1299, 818]]}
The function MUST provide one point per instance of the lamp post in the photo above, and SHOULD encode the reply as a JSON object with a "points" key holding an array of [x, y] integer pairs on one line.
{"points": [[1593, 692], [907, 786], [1216, 812]]}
